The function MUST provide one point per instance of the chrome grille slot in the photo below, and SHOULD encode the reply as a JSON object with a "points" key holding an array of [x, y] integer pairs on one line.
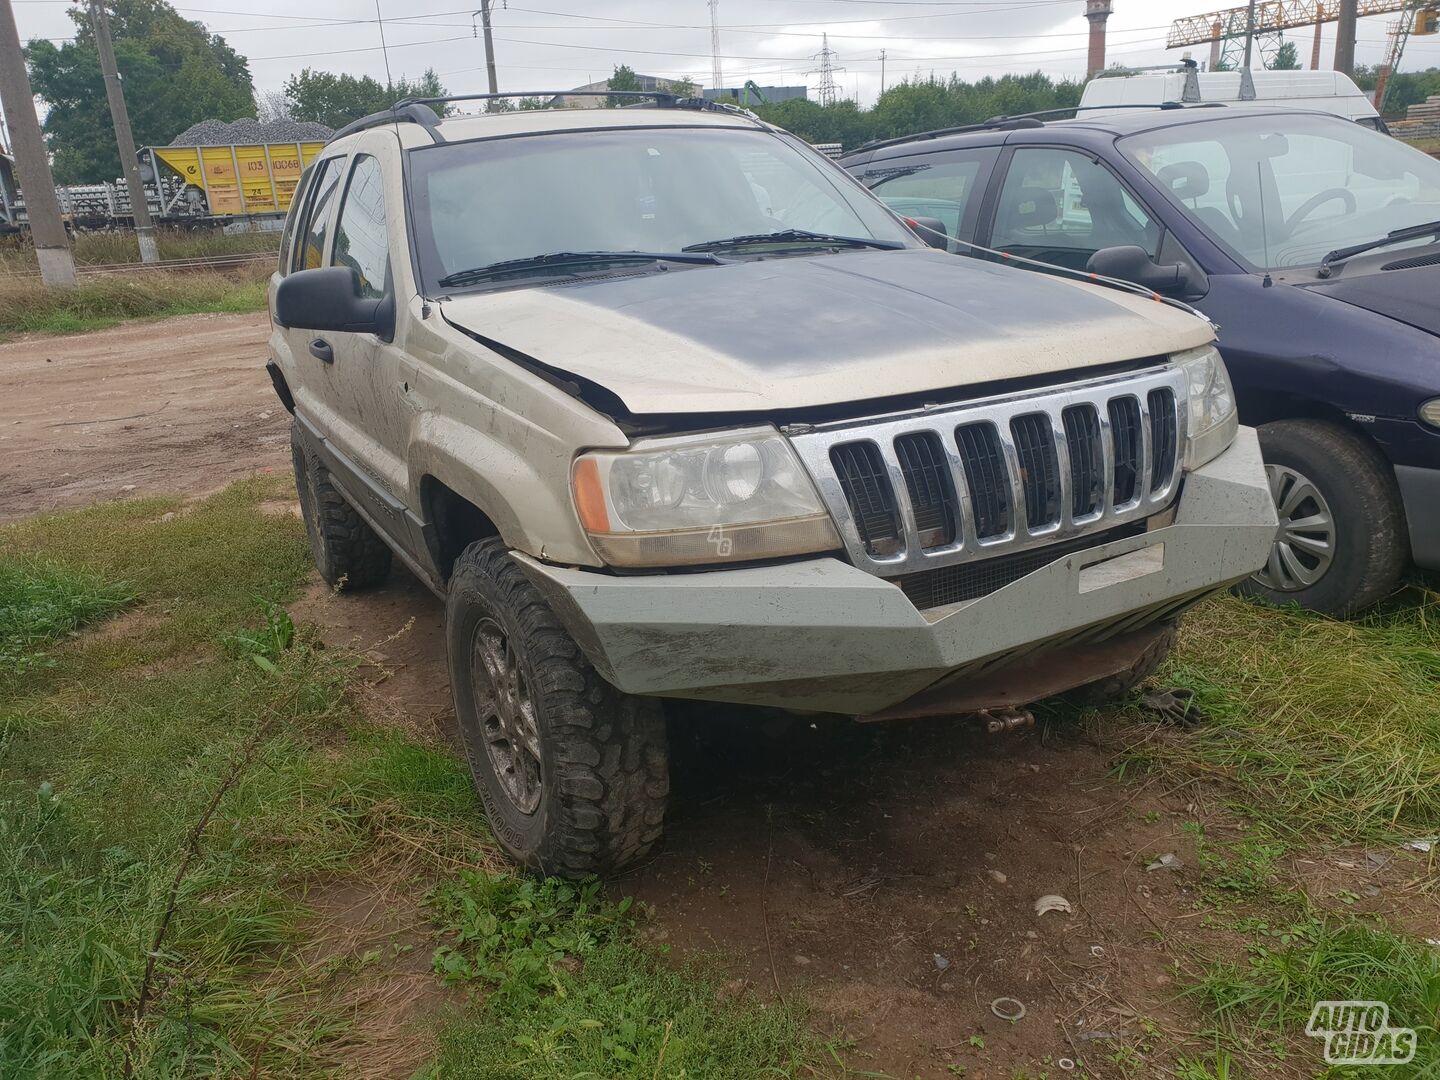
{"points": [[1039, 469], [1087, 460], [986, 477], [1125, 437], [1164, 437], [932, 491], [961, 483], [863, 477]]}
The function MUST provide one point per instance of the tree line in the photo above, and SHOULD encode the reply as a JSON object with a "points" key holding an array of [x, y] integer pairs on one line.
{"points": [[176, 73]]}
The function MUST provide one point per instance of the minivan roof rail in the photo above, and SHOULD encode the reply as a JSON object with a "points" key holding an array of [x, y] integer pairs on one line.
{"points": [[1024, 120], [419, 110]]}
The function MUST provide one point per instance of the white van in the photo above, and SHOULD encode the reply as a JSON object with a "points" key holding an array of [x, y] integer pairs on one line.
{"points": [[1322, 91]]}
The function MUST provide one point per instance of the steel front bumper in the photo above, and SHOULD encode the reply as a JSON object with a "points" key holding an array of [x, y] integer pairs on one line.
{"points": [[821, 635]]}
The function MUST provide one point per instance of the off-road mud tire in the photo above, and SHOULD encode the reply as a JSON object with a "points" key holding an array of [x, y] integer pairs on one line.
{"points": [[348, 553], [604, 763], [1117, 686], [1372, 540]]}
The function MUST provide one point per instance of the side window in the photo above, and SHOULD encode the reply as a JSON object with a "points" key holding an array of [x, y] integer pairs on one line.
{"points": [[1061, 207], [360, 239], [941, 185], [287, 237], [310, 247]]}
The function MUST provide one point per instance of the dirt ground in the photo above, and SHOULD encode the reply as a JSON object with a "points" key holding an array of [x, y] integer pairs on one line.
{"points": [[891, 873], [179, 407]]}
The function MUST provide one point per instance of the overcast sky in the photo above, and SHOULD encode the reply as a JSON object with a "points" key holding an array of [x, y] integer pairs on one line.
{"points": [[545, 44]]}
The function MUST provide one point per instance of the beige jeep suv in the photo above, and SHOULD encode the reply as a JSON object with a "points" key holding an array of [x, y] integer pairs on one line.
{"points": [[664, 405]]}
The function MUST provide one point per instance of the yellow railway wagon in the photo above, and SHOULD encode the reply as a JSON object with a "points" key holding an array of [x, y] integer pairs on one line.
{"points": [[245, 179]]}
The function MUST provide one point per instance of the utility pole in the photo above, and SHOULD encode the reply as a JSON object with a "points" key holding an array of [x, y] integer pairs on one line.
{"points": [[1249, 33], [124, 139], [1345, 37], [882, 71], [52, 246], [484, 14]]}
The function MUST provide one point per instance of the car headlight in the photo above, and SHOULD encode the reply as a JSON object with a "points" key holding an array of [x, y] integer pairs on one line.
{"points": [[1214, 420], [1430, 412], [700, 499]]}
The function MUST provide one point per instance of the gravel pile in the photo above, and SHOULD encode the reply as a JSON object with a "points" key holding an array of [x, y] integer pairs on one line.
{"points": [[248, 130]]}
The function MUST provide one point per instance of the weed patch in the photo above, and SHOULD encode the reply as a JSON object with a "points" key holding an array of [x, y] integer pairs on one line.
{"points": [[1318, 727], [567, 990], [40, 602], [29, 307]]}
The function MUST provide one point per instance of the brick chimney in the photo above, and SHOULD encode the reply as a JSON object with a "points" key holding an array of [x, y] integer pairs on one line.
{"points": [[1098, 12]]}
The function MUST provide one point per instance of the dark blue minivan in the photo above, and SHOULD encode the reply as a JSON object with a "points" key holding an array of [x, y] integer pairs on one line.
{"points": [[1314, 244]]}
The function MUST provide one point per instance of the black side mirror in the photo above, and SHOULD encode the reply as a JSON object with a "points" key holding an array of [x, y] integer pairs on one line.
{"points": [[932, 231], [1129, 263], [329, 299]]}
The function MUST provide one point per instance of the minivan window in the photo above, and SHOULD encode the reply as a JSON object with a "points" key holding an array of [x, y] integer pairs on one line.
{"points": [[361, 242], [1283, 191], [1061, 207], [492, 201], [311, 252], [936, 185]]}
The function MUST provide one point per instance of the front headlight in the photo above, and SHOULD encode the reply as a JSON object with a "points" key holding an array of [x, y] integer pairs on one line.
{"points": [[1213, 421], [1430, 412], [700, 499]]}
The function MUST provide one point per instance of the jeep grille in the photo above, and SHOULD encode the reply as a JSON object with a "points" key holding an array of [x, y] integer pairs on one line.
{"points": [[958, 483]]}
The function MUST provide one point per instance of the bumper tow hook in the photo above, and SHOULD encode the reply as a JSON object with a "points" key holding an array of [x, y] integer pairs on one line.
{"points": [[1003, 721]]}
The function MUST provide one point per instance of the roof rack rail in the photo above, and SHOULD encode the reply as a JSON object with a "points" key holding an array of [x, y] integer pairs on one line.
{"points": [[420, 111], [402, 112], [1024, 120]]}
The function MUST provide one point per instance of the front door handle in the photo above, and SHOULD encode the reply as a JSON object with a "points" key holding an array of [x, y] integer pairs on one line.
{"points": [[321, 350]]}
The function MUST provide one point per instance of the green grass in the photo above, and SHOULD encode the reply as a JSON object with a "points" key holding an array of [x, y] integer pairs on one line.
{"points": [[1318, 727], [112, 751], [29, 307], [41, 601], [1262, 1001], [570, 993], [109, 248]]}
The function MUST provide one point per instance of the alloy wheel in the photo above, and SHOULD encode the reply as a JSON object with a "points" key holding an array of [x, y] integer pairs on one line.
{"points": [[505, 715]]}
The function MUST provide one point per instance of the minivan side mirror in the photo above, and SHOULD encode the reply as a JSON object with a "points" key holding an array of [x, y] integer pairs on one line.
{"points": [[931, 230], [1130, 263], [329, 299]]}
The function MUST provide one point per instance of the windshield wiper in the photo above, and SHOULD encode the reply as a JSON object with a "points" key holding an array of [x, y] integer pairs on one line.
{"points": [[1414, 232], [794, 236], [561, 259]]}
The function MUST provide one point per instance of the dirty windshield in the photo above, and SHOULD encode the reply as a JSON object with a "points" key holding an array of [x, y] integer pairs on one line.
{"points": [[1284, 190], [658, 190]]}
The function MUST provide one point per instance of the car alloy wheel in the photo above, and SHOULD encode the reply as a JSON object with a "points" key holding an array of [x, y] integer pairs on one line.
{"points": [[505, 714], [1304, 547]]}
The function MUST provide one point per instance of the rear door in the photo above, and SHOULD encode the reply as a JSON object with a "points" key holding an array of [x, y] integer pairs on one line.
{"points": [[944, 184]]}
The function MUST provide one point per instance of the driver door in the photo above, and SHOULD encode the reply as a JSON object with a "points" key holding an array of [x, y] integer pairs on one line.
{"points": [[1060, 206]]}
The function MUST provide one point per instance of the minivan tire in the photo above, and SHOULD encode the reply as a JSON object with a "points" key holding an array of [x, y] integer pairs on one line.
{"points": [[574, 775], [1357, 491], [348, 553]]}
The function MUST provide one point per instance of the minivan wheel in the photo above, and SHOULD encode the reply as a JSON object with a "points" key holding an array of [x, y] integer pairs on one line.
{"points": [[1341, 544], [347, 552], [573, 774]]}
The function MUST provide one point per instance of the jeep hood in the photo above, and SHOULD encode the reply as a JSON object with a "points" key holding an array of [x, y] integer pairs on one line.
{"points": [[798, 332]]}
